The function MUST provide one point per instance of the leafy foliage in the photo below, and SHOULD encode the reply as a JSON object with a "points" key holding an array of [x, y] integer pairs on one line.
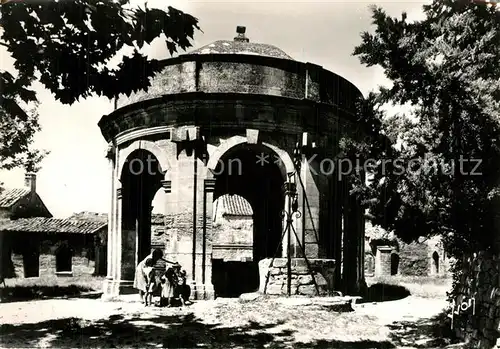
{"points": [[446, 67], [16, 137], [67, 45]]}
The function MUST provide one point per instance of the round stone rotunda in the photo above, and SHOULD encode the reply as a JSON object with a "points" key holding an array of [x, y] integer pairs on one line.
{"points": [[229, 118]]}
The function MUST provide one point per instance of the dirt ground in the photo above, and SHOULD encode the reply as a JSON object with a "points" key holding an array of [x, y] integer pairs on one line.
{"points": [[224, 323]]}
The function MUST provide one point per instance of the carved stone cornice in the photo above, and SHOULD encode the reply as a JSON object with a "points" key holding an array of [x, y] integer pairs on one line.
{"points": [[119, 193]]}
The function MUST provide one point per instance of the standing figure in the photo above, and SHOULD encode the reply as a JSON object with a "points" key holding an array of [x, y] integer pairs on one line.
{"points": [[169, 280], [151, 281], [140, 279]]}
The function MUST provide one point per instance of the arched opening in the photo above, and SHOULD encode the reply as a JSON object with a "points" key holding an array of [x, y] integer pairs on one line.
{"points": [[435, 263], [252, 173], [394, 263], [64, 259], [232, 245], [141, 178], [369, 264], [160, 224]]}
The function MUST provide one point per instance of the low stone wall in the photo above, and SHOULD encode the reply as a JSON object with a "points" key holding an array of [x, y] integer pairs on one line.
{"points": [[479, 281], [323, 271]]}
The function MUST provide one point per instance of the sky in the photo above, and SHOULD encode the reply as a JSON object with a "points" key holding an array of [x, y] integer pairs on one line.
{"points": [[75, 176]]}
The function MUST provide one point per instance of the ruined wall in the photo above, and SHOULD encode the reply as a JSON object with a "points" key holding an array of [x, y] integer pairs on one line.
{"points": [[81, 265], [414, 259], [233, 238], [302, 283], [479, 279], [83, 254]]}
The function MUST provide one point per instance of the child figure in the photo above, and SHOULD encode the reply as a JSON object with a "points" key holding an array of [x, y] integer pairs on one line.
{"points": [[180, 283], [150, 282]]}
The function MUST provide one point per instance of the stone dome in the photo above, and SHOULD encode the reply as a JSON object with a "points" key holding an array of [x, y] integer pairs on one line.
{"points": [[241, 45], [241, 48]]}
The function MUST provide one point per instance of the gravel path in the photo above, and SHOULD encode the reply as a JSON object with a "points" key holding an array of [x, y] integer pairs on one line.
{"points": [[224, 323]]}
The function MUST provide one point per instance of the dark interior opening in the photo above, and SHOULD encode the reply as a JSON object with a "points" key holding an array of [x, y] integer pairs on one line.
{"points": [[141, 178], [435, 258], [394, 263], [64, 257], [260, 183]]}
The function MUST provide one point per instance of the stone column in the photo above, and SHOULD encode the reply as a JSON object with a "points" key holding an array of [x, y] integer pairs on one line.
{"points": [[336, 212], [111, 222], [309, 207], [167, 188], [207, 238], [351, 241]]}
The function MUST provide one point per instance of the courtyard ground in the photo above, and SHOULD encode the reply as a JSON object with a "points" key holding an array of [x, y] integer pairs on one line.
{"points": [[413, 321]]}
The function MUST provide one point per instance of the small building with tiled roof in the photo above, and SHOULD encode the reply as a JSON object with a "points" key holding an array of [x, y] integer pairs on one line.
{"points": [[56, 246], [34, 243], [22, 202], [233, 229]]}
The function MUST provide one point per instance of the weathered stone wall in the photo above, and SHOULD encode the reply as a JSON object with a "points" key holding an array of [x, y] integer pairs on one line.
{"points": [[383, 261], [249, 75], [479, 280], [233, 238], [323, 271], [81, 265]]}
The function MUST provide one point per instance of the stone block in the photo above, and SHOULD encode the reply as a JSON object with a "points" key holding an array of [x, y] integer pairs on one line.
{"points": [[320, 280], [299, 262], [307, 290], [273, 290], [275, 271], [305, 280], [280, 263], [302, 270]]}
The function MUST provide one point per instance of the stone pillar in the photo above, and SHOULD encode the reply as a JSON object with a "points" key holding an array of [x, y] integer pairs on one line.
{"points": [[207, 233], [351, 274], [113, 285], [167, 188], [111, 222], [128, 236], [383, 261], [187, 207], [309, 206], [336, 213]]}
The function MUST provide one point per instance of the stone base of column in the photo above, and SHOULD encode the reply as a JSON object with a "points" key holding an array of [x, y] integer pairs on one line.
{"points": [[202, 291], [113, 289]]}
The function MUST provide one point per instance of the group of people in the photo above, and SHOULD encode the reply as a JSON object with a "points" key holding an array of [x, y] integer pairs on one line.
{"points": [[155, 276]]}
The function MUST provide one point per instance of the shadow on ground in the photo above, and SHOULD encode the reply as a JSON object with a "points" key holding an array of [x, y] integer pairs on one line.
{"points": [[426, 333], [176, 331], [28, 293], [381, 292]]}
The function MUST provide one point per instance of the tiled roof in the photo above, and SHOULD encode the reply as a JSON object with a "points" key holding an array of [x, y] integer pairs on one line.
{"points": [[9, 197], [236, 205], [238, 47], [50, 225], [90, 216]]}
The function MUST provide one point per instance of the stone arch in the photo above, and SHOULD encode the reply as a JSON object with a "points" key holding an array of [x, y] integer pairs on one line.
{"points": [[154, 149], [369, 264], [287, 165]]}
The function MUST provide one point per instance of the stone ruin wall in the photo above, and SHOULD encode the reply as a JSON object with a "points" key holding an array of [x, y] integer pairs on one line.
{"points": [[480, 280]]}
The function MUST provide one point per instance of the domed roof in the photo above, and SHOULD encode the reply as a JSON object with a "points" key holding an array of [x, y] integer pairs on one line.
{"points": [[241, 45]]}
